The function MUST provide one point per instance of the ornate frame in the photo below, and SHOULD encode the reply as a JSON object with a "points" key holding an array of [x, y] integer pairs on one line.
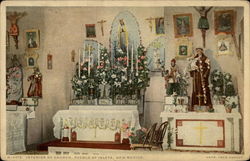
{"points": [[36, 40], [216, 21], [190, 33], [184, 42], [229, 40], [31, 55]]}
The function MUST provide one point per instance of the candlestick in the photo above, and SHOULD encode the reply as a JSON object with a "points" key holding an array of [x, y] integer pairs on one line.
{"points": [[79, 63], [132, 55], [137, 62], [127, 56], [89, 62]]}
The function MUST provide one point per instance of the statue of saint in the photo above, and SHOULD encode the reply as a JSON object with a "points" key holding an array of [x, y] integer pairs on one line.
{"points": [[171, 79], [35, 89], [200, 69], [122, 36]]}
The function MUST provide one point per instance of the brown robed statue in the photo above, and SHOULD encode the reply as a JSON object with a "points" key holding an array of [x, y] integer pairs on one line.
{"points": [[200, 73]]}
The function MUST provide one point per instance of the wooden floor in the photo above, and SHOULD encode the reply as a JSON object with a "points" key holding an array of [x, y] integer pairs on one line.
{"points": [[84, 144]]}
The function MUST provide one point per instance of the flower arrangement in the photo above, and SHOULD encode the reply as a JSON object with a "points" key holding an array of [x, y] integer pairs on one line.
{"points": [[137, 136], [228, 84], [217, 83]]}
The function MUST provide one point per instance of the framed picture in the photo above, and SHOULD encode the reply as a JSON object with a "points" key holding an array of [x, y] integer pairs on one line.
{"points": [[49, 61], [183, 48], [183, 25], [32, 39], [224, 44], [31, 59], [159, 26], [90, 30], [224, 21]]}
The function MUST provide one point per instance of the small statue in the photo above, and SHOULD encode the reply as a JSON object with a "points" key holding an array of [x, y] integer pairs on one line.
{"points": [[35, 89], [171, 79]]}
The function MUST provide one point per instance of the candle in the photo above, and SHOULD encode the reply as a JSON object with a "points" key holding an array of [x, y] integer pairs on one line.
{"points": [[83, 55], [137, 62], [79, 63], [127, 56], [89, 62], [132, 55], [98, 55]]}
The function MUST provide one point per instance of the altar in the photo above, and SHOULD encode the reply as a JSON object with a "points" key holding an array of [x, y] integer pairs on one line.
{"points": [[96, 122], [204, 131]]}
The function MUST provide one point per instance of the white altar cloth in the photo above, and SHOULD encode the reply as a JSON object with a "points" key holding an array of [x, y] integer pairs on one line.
{"points": [[217, 131], [95, 124], [103, 107], [15, 131]]}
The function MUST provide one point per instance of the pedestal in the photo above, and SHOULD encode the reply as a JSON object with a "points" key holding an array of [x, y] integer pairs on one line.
{"points": [[204, 131]]}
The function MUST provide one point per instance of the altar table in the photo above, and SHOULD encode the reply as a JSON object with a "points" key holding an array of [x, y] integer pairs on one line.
{"points": [[95, 122], [204, 131]]}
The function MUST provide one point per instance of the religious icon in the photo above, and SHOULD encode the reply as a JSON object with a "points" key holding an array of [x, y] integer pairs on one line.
{"points": [[35, 88], [150, 23], [31, 61], [224, 21], [32, 39], [159, 25], [223, 47], [200, 74], [14, 30], [203, 24], [90, 30], [123, 36], [171, 79], [183, 50], [102, 22], [14, 83], [49, 61], [183, 25]]}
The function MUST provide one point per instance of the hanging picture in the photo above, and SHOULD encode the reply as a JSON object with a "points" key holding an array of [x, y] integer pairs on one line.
{"points": [[90, 30], [183, 25], [159, 26], [183, 48], [224, 44], [49, 61], [224, 22], [31, 59], [32, 39]]}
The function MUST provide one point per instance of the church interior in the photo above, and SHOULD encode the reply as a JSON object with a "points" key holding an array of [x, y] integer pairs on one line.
{"points": [[92, 77]]}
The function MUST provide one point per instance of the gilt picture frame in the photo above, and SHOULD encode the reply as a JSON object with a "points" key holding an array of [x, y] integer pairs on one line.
{"points": [[184, 48], [32, 39], [224, 21], [31, 59], [183, 25]]}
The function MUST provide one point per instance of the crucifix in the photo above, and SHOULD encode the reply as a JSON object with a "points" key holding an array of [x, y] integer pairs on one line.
{"points": [[150, 23], [203, 24], [102, 22], [14, 31], [200, 128]]}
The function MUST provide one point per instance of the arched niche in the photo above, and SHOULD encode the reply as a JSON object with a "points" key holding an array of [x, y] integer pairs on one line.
{"points": [[156, 53], [124, 30]]}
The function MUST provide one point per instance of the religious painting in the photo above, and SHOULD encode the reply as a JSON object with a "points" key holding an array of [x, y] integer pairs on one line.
{"points": [[159, 26], [49, 61], [183, 48], [32, 39], [183, 25], [31, 59], [90, 30], [224, 44], [224, 22], [156, 54]]}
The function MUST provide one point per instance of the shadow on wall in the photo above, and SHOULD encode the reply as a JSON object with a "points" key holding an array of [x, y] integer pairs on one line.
{"points": [[214, 64]]}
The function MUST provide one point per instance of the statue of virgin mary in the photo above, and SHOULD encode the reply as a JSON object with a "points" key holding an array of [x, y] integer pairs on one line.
{"points": [[122, 36]]}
